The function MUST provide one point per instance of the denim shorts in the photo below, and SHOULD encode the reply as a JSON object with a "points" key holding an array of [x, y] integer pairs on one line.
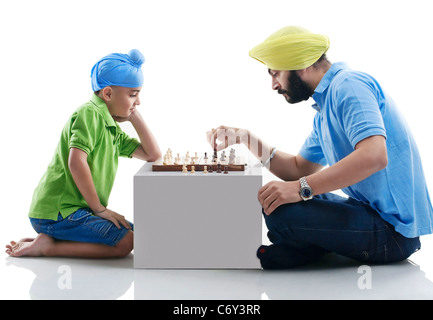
{"points": [[81, 226]]}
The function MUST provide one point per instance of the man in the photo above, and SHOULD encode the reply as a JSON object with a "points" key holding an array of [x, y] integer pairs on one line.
{"points": [[369, 152]]}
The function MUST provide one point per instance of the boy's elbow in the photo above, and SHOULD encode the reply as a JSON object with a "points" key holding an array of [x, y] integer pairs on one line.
{"points": [[147, 155], [154, 156]]}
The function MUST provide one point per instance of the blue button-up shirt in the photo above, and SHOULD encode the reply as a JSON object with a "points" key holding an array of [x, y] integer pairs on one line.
{"points": [[352, 106]]}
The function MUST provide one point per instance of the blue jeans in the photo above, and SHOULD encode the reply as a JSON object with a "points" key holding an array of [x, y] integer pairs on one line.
{"points": [[81, 226], [302, 232]]}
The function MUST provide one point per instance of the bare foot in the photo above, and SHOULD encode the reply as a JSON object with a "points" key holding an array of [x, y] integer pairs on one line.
{"points": [[22, 240], [29, 247]]}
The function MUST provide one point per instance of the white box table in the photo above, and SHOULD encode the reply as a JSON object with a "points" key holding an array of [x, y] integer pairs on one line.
{"points": [[209, 221]]}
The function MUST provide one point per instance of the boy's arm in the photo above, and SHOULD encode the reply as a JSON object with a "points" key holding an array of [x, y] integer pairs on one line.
{"points": [[149, 148], [82, 176]]}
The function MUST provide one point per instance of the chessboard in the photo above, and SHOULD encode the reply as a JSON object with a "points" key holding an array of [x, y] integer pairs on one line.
{"points": [[204, 163]]}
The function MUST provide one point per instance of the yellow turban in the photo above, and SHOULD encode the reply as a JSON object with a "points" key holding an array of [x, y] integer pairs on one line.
{"points": [[291, 48]]}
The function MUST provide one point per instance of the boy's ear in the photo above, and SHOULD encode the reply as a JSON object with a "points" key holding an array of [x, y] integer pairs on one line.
{"points": [[107, 93]]}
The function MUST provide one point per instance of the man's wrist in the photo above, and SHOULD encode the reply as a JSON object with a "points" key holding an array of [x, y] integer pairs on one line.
{"points": [[267, 162]]}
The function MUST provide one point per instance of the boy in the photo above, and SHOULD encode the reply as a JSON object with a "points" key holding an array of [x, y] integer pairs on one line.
{"points": [[69, 206]]}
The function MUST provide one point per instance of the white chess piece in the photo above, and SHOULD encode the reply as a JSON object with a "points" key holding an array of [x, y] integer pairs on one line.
{"points": [[184, 168]]}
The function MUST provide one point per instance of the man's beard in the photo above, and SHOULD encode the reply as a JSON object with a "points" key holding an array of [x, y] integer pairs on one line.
{"points": [[298, 90]]}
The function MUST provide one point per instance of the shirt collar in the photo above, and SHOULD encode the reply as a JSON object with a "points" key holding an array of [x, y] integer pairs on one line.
{"points": [[325, 82], [103, 109]]}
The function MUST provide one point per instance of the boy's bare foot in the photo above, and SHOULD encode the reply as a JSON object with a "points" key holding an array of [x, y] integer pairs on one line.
{"points": [[29, 247]]}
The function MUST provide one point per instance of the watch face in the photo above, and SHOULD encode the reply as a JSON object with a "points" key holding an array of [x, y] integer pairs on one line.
{"points": [[306, 192]]}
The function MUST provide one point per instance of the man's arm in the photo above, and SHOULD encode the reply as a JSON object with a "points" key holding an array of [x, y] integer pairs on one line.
{"points": [[285, 166], [369, 156], [82, 176]]}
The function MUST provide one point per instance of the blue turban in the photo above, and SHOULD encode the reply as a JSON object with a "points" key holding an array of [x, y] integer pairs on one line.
{"points": [[117, 69]]}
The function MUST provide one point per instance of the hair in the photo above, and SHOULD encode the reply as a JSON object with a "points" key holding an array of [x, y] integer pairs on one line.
{"points": [[319, 63]]}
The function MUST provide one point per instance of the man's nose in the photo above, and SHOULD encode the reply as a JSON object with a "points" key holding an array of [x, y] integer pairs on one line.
{"points": [[275, 84]]}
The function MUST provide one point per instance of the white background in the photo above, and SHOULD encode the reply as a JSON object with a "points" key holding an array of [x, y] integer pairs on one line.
{"points": [[198, 75]]}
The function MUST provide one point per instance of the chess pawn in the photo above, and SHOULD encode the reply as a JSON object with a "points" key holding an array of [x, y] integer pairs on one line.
{"points": [[192, 169], [205, 169], [184, 168]]}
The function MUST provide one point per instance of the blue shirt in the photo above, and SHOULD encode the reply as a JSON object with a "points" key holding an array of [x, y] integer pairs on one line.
{"points": [[352, 106]]}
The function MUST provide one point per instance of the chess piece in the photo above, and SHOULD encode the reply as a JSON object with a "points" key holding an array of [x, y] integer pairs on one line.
{"points": [[177, 159], [192, 169], [184, 168], [223, 156], [226, 169], [219, 168], [214, 156], [166, 159], [205, 169], [232, 156]]}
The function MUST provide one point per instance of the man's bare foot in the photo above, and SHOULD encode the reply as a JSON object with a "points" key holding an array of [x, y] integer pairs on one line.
{"points": [[29, 247]]}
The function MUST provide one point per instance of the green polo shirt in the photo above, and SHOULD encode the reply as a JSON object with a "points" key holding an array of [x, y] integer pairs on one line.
{"points": [[91, 129]]}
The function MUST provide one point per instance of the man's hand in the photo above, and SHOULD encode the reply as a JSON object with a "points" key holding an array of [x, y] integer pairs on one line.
{"points": [[276, 193], [226, 136]]}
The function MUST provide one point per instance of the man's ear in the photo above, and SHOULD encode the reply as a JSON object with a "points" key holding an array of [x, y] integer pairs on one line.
{"points": [[303, 72], [306, 74], [107, 92]]}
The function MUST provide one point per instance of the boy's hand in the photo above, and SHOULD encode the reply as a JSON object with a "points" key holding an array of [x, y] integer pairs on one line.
{"points": [[134, 115], [121, 119], [114, 217]]}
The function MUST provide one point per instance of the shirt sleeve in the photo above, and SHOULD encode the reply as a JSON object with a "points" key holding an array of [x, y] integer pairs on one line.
{"points": [[358, 109], [127, 145], [85, 130], [312, 150]]}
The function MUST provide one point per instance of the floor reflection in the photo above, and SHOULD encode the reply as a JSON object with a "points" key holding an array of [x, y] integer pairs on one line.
{"points": [[334, 277], [63, 279]]}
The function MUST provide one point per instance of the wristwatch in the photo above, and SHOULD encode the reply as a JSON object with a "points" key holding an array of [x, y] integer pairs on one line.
{"points": [[305, 192]]}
